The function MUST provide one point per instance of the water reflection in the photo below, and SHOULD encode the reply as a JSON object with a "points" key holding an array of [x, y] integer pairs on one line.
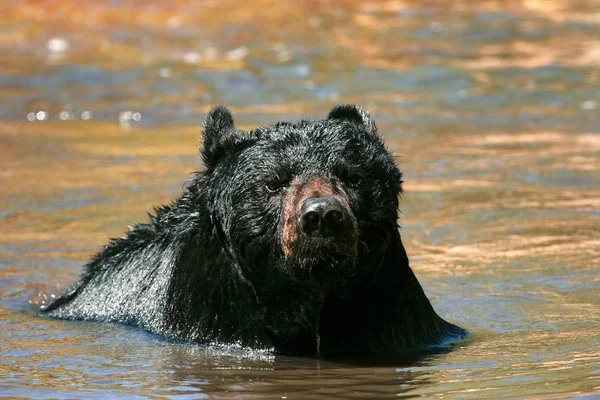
{"points": [[120, 361], [491, 107]]}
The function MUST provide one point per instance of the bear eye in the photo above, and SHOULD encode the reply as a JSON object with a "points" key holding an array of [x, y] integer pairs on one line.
{"points": [[348, 176], [276, 184]]}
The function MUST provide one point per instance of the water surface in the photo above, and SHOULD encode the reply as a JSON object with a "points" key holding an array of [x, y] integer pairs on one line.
{"points": [[491, 107]]}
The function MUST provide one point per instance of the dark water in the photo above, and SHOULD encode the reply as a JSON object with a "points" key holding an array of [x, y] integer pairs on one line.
{"points": [[492, 107]]}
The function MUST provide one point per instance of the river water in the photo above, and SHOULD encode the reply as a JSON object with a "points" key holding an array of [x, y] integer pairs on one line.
{"points": [[493, 109]]}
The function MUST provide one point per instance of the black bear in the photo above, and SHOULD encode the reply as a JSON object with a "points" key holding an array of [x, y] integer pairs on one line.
{"points": [[287, 241]]}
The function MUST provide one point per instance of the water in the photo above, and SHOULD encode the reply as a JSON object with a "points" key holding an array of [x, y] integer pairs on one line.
{"points": [[492, 108]]}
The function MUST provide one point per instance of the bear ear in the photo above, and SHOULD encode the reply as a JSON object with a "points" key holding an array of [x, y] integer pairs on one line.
{"points": [[353, 113], [218, 128]]}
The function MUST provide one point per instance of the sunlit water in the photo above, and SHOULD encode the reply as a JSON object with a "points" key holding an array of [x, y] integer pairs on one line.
{"points": [[492, 107]]}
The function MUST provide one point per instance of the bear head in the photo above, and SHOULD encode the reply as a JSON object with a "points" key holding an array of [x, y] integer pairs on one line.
{"points": [[314, 202]]}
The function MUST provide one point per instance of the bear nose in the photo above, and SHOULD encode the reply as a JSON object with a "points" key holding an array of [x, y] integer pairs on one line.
{"points": [[322, 216]]}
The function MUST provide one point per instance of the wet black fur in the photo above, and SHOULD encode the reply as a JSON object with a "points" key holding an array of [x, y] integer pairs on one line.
{"points": [[210, 269]]}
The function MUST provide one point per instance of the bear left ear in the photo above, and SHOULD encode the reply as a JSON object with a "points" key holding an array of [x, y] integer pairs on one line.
{"points": [[352, 112], [218, 128]]}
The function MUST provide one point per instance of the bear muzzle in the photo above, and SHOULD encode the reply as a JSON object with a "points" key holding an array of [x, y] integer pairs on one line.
{"points": [[317, 222], [319, 232]]}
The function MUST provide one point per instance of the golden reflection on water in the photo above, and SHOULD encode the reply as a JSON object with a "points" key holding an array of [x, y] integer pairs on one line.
{"points": [[491, 108]]}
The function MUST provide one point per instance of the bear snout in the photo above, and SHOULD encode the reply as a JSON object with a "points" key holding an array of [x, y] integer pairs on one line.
{"points": [[318, 223], [322, 216]]}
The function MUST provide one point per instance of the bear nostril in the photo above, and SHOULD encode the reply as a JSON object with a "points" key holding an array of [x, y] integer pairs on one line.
{"points": [[310, 222], [322, 216], [333, 222]]}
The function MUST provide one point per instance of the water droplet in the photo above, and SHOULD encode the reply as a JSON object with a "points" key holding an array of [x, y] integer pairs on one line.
{"points": [[284, 56], [237, 54], [66, 115], [164, 72], [31, 116], [191, 57], [588, 105], [57, 45], [41, 115], [303, 70], [125, 116], [87, 115]]}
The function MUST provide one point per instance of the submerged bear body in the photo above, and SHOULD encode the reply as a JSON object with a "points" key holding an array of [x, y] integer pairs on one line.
{"points": [[287, 241]]}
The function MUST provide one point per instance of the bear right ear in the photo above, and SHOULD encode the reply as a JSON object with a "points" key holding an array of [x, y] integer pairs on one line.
{"points": [[353, 113], [217, 129]]}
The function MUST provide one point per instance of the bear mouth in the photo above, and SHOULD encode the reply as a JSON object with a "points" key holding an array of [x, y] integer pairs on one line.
{"points": [[323, 260]]}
